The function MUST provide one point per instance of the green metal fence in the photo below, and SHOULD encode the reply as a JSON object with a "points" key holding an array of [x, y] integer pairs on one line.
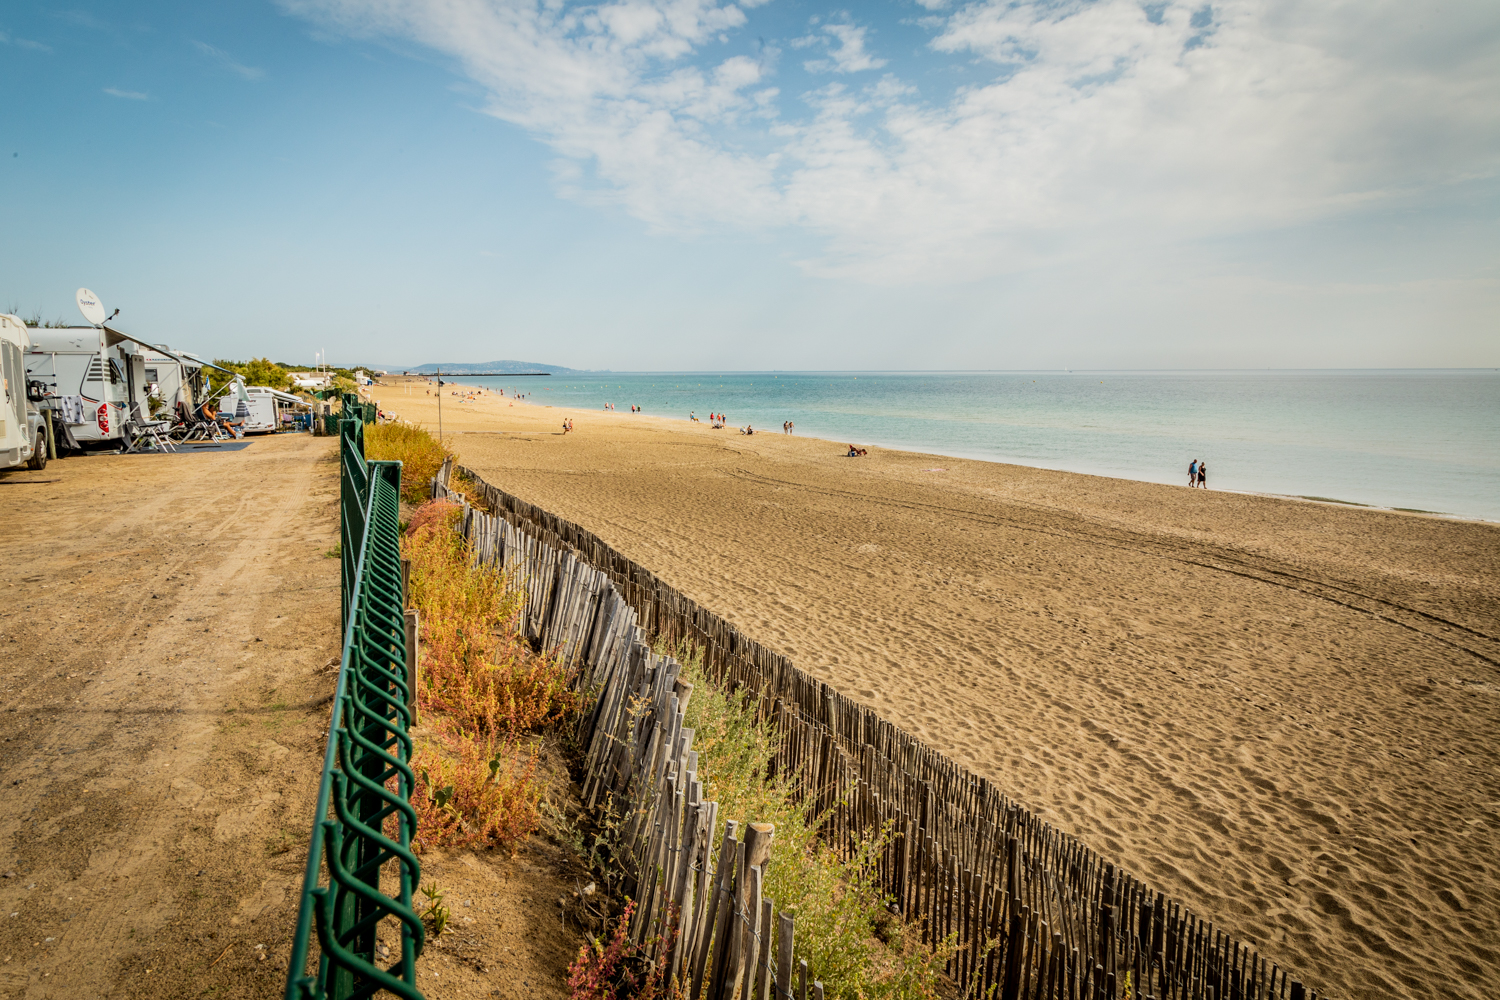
{"points": [[364, 820], [353, 409]]}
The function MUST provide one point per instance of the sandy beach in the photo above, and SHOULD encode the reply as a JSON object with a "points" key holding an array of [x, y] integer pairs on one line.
{"points": [[1285, 714]]}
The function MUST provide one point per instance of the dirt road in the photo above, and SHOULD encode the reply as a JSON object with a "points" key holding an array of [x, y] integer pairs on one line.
{"points": [[165, 623]]}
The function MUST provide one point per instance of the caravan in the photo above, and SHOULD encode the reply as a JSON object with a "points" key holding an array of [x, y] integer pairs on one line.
{"points": [[173, 378], [93, 377], [23, 434], [264, 409]]}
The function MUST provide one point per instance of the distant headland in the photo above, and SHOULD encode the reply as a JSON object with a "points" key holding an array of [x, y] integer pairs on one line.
{"points": [[502, 367]]}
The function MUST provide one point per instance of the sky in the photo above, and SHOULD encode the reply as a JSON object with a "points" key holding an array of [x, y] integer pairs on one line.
{"points": [[774, 184]]}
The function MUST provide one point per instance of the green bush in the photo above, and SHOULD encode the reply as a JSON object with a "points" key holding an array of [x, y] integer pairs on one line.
{"points": [[256, 371], [837, 902], [420, 454]]}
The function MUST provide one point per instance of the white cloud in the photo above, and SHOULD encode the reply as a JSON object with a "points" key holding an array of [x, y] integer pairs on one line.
{"points": [[24, 43], [1091, 125], [850, 55], [129, 95], [228, 62]]}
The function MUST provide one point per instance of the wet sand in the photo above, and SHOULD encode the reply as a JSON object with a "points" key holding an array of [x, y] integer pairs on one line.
{"points": [[1285, 714]]}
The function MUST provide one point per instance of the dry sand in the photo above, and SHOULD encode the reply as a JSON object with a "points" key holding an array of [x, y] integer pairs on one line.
{"points": [[1282, 713]]}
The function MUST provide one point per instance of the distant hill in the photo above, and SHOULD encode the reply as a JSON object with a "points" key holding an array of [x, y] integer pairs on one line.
{"points": [[504, 367]]}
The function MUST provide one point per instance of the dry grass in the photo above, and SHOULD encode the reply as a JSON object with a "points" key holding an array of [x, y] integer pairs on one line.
{"points": [[474, 669], [482, 689], [420, 454], [475, 791]]}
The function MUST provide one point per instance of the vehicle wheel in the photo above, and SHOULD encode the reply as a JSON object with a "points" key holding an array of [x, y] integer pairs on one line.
{"points": [[39, 453]]}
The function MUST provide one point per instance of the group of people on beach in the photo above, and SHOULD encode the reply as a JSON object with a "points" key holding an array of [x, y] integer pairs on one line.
{"points": [[1198, 473], [567, 426], [787, 427]]}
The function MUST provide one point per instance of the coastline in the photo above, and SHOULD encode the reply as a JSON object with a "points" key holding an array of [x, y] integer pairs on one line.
{"points": [[1282, 713], [929, 451]]}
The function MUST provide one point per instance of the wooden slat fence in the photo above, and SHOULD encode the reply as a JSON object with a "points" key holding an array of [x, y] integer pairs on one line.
{"points": [[703, 917], [1029, 911]]}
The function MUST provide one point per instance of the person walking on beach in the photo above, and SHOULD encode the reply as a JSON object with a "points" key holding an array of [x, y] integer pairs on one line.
{"points": [[1203, 475], [1193, 473]]}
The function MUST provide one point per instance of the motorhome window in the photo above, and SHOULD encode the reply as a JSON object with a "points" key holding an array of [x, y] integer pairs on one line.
{"points": [[151, 375], [116, 373]]}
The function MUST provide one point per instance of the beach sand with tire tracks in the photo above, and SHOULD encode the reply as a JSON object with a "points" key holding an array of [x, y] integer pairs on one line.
{"points": [[1284, 714]]}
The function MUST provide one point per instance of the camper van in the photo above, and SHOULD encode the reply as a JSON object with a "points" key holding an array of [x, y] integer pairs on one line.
{"points": [[94, 378], [173, 377], [266, 408], [23, 435]]}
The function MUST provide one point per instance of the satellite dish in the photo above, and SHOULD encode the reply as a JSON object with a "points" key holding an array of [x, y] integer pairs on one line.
{"points": [[91, 307]]}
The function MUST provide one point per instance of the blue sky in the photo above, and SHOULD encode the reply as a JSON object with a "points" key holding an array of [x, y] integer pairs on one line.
{"points": [[689, 184]]}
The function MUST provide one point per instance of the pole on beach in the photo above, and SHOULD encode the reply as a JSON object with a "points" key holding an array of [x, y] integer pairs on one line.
{"points": [[440, 405]]}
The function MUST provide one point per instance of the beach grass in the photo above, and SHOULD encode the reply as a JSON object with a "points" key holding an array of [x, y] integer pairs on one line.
{"points": [[844, 927]]}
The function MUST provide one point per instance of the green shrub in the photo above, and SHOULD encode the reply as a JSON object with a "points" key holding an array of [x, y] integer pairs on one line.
{"points": [[837, 902], [420, 454]]}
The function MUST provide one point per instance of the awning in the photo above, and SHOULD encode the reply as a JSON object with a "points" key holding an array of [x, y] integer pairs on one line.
{"points": [[113, 337], [286, 397]]}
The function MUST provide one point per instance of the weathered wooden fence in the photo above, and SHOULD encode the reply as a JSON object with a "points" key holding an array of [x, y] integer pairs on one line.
{"points": [[1030, 912], [701, 918]]}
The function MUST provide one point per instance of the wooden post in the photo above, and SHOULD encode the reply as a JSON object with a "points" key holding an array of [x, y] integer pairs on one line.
{"points": [[757, 851], [784, 957], [715, 906], [749, 939], [761, 977], [413, 662], [802, 980], [727, 946]]}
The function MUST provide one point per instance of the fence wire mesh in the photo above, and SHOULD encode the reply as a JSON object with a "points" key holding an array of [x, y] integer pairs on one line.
{"points": [[364, 822]]}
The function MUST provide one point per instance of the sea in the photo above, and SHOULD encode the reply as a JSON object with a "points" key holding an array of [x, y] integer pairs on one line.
{"points": [[1422, 439]]}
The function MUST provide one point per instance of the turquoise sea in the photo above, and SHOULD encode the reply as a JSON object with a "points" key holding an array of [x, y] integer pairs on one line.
{"points": [[1419, 439]]}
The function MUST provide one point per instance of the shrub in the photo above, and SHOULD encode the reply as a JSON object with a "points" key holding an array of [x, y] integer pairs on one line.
{"points": [[474, 668], [420, 454], [619, 970], [475, 791], [256, 371], [837, 901]]}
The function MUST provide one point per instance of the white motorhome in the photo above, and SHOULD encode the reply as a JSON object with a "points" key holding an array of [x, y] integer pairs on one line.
{"points": [[94, 377], [174, 377], [266, 408], [23, 435]]}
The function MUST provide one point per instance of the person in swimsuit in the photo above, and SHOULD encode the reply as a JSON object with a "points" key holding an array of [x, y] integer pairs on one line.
{"points": [[1203, 475]]}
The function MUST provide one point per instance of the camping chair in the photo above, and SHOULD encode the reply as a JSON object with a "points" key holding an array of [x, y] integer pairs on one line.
{"points": [[146, 435], [149, 436], [192, 425]]}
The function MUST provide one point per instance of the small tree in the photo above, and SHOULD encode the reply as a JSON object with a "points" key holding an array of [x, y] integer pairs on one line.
{"points": [[256, 371]]}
